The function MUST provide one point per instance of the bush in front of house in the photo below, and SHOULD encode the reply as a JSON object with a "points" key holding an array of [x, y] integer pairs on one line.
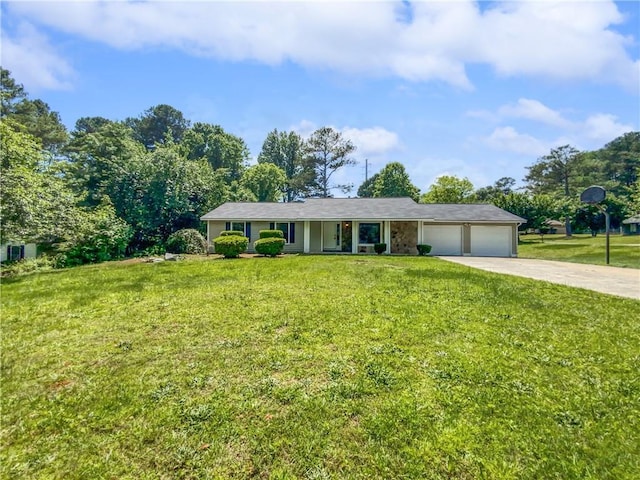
{"points": [[231, 246], [231, 233], [187, 240], [379, 248], [271, 234], [271, 246], [424, 249]]}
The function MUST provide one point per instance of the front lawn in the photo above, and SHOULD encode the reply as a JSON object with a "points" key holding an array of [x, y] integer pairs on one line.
{"points": [[315, 367], [624, 251]]}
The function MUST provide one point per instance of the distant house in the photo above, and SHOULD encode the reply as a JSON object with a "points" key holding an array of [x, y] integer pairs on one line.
{"points": [[556, 226], [355, 225], [631, 225], [17, 251]]}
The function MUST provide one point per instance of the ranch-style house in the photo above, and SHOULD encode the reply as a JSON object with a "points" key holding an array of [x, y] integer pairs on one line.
{"points": [[355, 225]]}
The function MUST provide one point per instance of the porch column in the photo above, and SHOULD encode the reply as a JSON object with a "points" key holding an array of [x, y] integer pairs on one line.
{"points": [[387, 236], [355, 226], [208, 238], [307, 235]]}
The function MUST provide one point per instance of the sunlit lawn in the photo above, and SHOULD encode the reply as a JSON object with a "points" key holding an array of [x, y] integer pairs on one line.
{"points": [[315, 367], [624, 251]]}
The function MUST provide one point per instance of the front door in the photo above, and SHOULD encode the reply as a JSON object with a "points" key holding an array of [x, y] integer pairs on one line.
{"points": [[331, 236]]}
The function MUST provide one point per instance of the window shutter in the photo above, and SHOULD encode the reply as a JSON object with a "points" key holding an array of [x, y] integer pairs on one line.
{"points": [[248, 230], [292, 232], [21, 251], [227, 226], [9, 252], [272, 226]]}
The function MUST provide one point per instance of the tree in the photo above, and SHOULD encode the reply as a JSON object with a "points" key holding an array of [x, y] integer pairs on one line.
{"points": [[266, 181], [502, 186], [10, 92], [449, 189], [90, 124], [36, 204], [326, 153], [393, 181], [620, 162], [563, 172], [285, 150], [222, 150], [366, 189], [158, 124], [101, 162]]}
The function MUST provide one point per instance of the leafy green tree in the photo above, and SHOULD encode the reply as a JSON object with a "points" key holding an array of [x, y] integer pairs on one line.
{"points": [[222, 150], [101, 162], [39, 121], [564, 172], [449, 189], [35, 204], [502, 186], [157, 125], [266, 181], [326, 153], [10, 92], [90, 125], [366, 189], [620, 163], [393, 181], [286, 150]]}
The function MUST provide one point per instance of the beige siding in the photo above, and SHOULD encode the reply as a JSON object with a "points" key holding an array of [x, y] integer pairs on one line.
{"points": [[315, 232]]}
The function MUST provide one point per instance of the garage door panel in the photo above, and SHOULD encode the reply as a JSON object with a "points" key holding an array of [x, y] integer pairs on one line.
{"points": [[444, 239], [491, 241]]}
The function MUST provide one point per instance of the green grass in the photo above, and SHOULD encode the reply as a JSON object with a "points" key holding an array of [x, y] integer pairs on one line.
{"points": [[624, 251], [315, 367]]}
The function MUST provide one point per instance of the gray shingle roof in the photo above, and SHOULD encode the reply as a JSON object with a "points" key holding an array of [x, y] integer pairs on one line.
{"points": [[361, 209]]}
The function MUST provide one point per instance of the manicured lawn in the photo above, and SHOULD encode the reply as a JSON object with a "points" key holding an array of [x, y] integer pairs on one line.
{"points": [[315, 367], [624, 251]]}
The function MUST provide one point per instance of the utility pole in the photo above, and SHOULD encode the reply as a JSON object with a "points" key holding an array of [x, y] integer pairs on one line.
{"points": [[366, 169]]}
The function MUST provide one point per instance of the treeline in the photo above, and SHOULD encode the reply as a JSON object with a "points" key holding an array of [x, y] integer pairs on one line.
{"points": [[112, 188]]}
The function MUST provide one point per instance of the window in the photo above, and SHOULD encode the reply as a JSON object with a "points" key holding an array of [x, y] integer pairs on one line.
{"points": [[369, 233], [244, 227], [288, 229]]}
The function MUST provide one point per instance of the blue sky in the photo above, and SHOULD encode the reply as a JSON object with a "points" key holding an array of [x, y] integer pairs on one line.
{"points": [[473, 89]]}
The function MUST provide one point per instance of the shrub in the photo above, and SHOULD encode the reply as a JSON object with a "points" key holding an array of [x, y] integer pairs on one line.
{"points": [[423, 249], [230, 245], [187, 240], [231, 233], [271, 246], [29, 265], [271, 234], [379, 248]]}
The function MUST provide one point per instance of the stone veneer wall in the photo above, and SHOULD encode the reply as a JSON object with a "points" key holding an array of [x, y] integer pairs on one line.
{"points": [[404, 237]]}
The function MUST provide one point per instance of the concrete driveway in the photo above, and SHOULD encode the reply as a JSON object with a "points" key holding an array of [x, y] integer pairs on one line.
{"points": [[623, 282]]}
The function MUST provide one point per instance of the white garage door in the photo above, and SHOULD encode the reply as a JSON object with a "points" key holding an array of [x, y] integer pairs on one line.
{"points": [[444, 239], [490, 241]]}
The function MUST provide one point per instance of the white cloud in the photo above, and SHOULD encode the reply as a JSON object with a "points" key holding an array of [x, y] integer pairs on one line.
{"points": [[557, 40], [534, 110], [604, 127], [33, 61], [372, 141], [510, 140]]}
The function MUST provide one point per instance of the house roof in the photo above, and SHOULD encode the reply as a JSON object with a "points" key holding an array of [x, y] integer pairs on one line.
{"points": [[631, 220], [361, 209]]}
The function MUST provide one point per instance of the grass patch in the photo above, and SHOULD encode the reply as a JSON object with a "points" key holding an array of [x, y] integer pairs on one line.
{"points": [[624, 251], [315, 367]]}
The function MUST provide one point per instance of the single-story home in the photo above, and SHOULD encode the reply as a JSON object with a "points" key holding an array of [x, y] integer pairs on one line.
{"points": [[17, 251], [556, 226], [355, 225], [631, 225]]}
